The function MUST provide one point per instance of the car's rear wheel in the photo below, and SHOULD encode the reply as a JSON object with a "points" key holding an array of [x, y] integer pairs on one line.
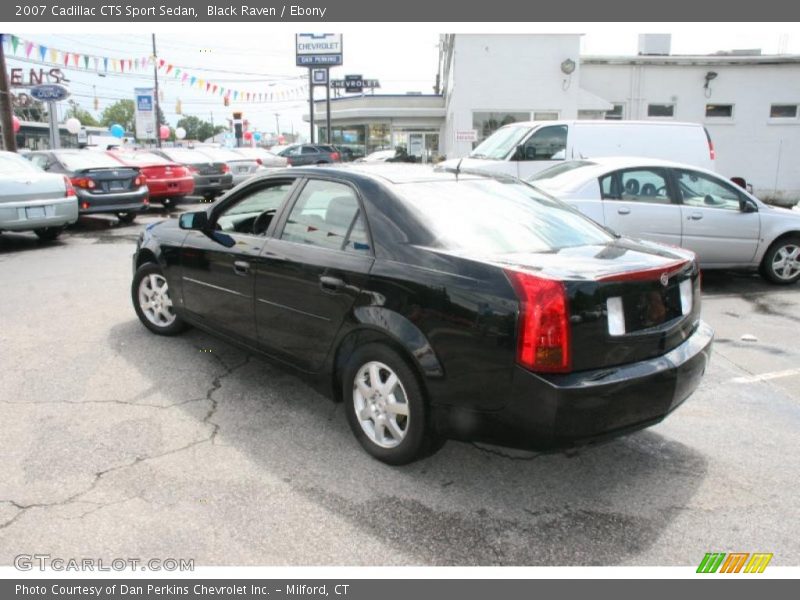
{"points": [[48, 234], [781, 263], [126, 217], [385, 406], [153, 303]]}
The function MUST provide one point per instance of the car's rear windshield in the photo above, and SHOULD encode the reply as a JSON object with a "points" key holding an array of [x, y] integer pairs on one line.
{"points": [[220, 154], [87, 159], [142, 158], [491, 217], [11, 164], [187, 157], [500, 144]]}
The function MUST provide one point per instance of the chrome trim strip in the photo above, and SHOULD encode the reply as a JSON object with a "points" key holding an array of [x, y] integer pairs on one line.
{"points": [[297, 310], [215, 287]]}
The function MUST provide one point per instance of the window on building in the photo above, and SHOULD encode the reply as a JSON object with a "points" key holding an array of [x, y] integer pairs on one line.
{"points": [[660, 110], [486, 123], [616, 113], [545, 115], [590, 114], [719, 111], [783, 111]]}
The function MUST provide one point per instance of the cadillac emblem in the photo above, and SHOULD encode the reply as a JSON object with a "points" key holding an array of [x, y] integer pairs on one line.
{"points": [[664, 279]]}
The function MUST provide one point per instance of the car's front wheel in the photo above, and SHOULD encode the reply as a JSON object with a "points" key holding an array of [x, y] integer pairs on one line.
{"points": [[152, 301], [48, 234], [781, 262], [385, 406]]}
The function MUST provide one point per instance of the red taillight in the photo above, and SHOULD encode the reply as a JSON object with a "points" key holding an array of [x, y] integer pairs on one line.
{"points": [[259, 161], [226, 168], [651, 274], [83, 182], [139, 181], [335, 156], [70, 191], [712, 154], [543, 338], [84, 205]]}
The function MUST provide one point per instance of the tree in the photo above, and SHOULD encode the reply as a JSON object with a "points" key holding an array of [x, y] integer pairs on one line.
{"points": [[197, 129], [84, 116], [122, 112]]}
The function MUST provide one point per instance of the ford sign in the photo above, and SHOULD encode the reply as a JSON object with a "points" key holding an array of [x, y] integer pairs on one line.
{"points": [[50, 92]]}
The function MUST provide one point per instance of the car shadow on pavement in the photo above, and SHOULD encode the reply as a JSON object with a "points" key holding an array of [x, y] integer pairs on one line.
{"points": [[467, 505], [718, 283], [24, 241]]}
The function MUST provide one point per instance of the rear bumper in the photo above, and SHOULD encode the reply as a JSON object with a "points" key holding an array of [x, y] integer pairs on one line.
{"points": [[170, 188], [556, 411], [58, 212], [89, 203], [212, 185]]}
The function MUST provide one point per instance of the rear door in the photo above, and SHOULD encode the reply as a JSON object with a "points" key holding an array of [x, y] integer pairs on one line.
{"points": [[218, 265], [311, 273], [640, 203], [714, 225]]}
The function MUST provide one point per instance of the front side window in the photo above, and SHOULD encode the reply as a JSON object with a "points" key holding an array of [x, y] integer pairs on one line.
{"points": [[701, 190], [327, 214], [636, 185], [254, 212], [547, 143]]}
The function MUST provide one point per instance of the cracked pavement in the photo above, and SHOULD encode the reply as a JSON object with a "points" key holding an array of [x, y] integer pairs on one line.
{"points": [[119, 443]]}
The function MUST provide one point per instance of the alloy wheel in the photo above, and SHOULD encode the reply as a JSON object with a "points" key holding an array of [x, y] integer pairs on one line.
{"points": [[786, 262], [381, 404], [154, 300]]}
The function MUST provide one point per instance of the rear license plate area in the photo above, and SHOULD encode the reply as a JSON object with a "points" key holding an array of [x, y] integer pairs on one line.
{"points": [[116, 186], [35, 212], [640, 310]]}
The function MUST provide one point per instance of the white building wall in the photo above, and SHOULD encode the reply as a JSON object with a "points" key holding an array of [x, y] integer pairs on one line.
{"points": [[514, 73], [766, 152]]}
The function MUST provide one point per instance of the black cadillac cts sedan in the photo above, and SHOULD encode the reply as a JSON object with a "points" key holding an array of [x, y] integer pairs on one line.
{"points": [[435, 305]]}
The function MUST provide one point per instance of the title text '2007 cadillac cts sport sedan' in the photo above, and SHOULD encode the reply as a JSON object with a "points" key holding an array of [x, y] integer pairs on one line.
{"points": [[435, 304]]}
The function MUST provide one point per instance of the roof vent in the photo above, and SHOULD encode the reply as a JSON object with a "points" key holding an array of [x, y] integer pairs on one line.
{"points": [[654, 44]]}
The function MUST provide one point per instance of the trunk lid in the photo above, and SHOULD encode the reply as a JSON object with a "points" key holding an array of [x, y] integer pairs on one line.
{"points": [[109, 180], [31, 186]]}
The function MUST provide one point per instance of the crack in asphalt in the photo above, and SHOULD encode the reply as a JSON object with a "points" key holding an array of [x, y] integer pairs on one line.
{"points": [[216, 384], [506, 455]]}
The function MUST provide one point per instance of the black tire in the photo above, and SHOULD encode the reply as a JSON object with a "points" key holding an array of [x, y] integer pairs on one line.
{"points": [[172, 328], [418, 436], [48, 234], [168, 203], [787, 245], [126, 217]]}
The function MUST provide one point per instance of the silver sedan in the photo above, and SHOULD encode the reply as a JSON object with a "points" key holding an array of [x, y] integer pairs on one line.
{"points": [[726, 226], [32, 200]]}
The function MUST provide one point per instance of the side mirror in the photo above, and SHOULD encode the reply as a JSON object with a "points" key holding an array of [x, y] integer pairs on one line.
{"points": [[747, 207], [197, 221]]}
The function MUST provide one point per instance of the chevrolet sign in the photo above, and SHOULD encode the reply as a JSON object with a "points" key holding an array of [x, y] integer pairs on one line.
{"points": [[318, 49]]}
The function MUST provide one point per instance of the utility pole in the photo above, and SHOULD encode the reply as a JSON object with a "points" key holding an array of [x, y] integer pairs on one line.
{"points": [[155, 96], [278, 124], [311, 105], [328, 104], [6, 112]]}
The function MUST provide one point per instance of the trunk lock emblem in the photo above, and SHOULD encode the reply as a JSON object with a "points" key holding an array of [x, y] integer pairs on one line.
{"points": [[664, 279]]}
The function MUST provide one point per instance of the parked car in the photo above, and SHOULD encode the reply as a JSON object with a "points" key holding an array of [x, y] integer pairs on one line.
{"points": [[726, 226], [32, 200], [524, 149], [211, 177], [263, 157], [310, 154], [435, 305], [379, 156], [241, 167], [101, 183], [167, 181]]}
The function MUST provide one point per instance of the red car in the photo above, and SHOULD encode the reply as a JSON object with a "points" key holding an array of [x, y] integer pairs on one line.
{"points": [[166, 181]]}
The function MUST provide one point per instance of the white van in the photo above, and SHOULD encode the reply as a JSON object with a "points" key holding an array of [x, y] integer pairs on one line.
{"points": [[523, 149]]}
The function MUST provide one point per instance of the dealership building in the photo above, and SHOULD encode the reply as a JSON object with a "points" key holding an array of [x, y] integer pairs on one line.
{"points": [[748, 102]]}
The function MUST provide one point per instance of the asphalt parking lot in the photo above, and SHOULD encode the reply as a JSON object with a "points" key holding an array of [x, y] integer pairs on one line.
{"points": [[119, 443]]}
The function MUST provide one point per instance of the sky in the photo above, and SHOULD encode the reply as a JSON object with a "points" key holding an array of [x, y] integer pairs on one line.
{"points": [[265, 63]]}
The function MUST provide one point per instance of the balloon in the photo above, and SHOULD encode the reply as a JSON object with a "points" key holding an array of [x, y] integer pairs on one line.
{"points": [[164, 132], [73, 125], [257, 135], [117, 130], [180, 133], [15, 124], [248, 136]]}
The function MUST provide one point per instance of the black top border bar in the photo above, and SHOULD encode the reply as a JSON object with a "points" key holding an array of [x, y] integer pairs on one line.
{"points": [[331, 11]]}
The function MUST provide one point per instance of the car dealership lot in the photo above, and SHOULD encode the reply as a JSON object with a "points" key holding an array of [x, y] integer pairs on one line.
{"points": [[118, 443]]}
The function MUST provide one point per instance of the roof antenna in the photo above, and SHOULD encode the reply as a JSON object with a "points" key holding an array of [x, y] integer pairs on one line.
{"points": [[458, 167]]}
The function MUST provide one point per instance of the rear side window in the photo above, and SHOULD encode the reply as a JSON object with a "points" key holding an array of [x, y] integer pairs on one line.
{"points": [[327, 215], [636, 185], [310, 150]]}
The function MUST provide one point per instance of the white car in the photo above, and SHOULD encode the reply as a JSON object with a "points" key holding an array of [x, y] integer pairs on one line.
{"points": [[32, 200], [682, 205], [379, 156]]}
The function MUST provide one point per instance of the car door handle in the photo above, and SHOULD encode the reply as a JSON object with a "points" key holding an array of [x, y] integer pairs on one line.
{"points": [[624, 211], [241, 267], [331, 284], [695, 216]]}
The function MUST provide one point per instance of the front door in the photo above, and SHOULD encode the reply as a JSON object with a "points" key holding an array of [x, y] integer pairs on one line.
{"points": [[218, 265], [309, 277]]}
